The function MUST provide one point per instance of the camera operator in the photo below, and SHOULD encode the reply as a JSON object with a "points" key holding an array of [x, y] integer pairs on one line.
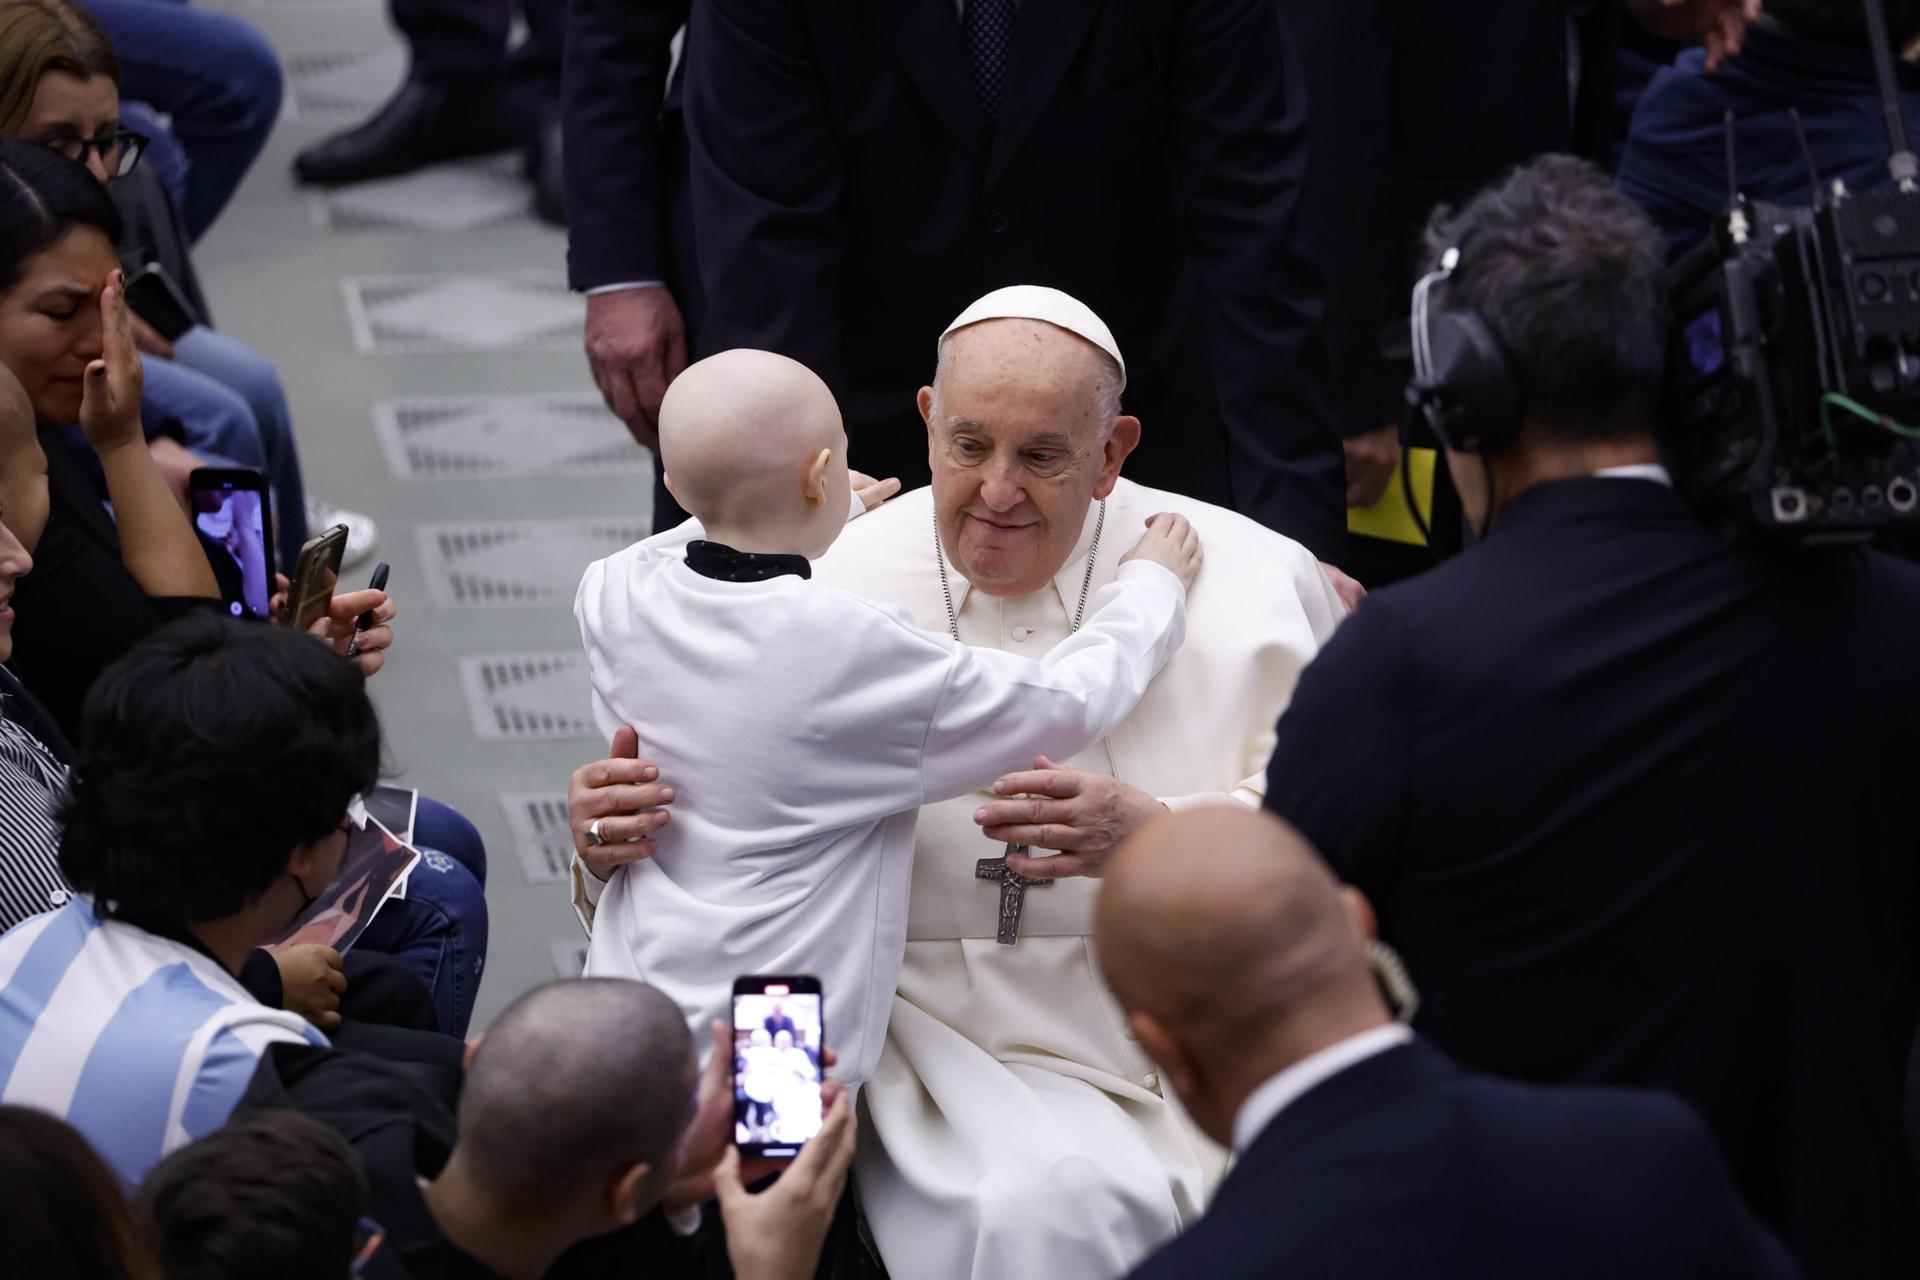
{"points": [[1631, 798]]}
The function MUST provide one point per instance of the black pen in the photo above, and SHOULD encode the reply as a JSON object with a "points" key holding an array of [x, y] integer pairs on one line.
{"points": [[365, 620]]}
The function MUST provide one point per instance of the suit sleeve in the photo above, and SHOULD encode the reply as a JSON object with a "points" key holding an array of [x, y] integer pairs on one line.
{"points": [[1343, 752], [612, 82], [1241, 132], [767, 178], [1347, 208]]}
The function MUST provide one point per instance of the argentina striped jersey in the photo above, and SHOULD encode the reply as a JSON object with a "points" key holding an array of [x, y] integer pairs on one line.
{"points": [[143, 1044]]}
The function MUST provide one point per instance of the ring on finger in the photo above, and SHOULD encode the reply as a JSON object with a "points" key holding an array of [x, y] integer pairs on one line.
{"points": [[593, 833]]}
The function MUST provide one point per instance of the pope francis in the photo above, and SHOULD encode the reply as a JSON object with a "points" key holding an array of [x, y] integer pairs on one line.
{"points": [[1013, 1127]]}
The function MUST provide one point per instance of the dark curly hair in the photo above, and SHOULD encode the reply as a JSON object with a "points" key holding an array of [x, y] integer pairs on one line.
{"points": [[207, 755], [44, 195], [274, 1193], [1571, 276]]}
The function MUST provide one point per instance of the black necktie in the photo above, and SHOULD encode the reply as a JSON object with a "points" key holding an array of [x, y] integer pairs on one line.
{"points": [[988, 26]]}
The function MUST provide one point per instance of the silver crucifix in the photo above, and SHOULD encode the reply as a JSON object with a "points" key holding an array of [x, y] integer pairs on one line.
{"points": [[1013, 891]]}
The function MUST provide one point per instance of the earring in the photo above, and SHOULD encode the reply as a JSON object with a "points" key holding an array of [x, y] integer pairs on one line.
{"points": [[1390, 971]]}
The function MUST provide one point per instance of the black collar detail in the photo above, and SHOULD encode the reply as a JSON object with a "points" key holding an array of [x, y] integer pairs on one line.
{"points": [[717, 560]]}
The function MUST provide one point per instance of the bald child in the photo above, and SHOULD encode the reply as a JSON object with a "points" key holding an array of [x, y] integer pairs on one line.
{"points": [[802, 727], [1361, 1150]]}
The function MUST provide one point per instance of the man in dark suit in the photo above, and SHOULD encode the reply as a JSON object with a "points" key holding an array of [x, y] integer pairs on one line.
{"points": [[1631, 798], [469, 90], [1415, 105], [630, 229], [862, 171], [1363, 1152]]}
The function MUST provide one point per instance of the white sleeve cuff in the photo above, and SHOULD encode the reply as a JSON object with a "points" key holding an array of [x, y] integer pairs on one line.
{"points": [[624, 285]]}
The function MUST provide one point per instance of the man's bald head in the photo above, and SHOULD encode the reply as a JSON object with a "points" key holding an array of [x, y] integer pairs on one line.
{"points": [[574, 1083], [737, 433], [1224, 927]]}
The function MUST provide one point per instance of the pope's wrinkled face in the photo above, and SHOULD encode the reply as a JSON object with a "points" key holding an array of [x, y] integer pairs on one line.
{"points": [[1023, 433]]}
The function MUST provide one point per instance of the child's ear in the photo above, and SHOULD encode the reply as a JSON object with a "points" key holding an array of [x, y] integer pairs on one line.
{"points": [[815, 485]]}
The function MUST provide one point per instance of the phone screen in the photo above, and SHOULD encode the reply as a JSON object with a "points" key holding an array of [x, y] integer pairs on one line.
{"points": [[777, 1033], [230, 509]]}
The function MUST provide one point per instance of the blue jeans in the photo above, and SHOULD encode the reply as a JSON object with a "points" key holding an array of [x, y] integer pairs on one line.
{"points": [[440, 929], [213, 74], [230, 404]]}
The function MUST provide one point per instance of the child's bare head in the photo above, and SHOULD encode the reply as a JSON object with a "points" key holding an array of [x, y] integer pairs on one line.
{"points": [[752, 445]]}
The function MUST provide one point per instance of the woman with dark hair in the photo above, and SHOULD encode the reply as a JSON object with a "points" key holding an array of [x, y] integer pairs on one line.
{"points": [[60, 86], [65, 1212], [105, 579]]}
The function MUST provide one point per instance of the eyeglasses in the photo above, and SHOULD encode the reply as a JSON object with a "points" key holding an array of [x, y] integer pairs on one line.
{"points": [[118, 151]]}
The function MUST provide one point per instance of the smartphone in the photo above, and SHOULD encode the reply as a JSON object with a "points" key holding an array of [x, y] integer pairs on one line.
{"points": [[778, 1027], [154, 297], [233, 512], [314, 575]]}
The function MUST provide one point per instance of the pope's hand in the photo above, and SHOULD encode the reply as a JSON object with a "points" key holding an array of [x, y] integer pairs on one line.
{"points": [[710, 1131], [624, 793], [1349, 590], [1085, 816]]}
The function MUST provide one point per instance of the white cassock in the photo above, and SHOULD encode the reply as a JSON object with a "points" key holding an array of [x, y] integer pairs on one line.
{"points": [[1014, 1129], [803, 728]]}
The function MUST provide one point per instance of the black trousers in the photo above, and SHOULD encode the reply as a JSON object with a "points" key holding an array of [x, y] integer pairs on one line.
{"points": [[467, 40]]}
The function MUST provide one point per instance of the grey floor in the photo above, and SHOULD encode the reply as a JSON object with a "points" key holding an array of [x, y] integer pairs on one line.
{"points": [[432, 357]]}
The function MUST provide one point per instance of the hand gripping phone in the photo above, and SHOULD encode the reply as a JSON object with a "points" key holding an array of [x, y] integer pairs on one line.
{"points": [[779, 1026], [314, 575]]}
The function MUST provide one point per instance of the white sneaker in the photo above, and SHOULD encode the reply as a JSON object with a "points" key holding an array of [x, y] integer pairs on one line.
{"points": [[362, 533]]}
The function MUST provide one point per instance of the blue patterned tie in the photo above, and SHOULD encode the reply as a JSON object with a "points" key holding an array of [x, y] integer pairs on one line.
{"points": [[988, 26]]}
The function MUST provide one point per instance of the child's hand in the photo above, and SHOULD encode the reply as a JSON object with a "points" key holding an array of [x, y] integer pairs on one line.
{"points": [[870, 492], [1170, 542]]}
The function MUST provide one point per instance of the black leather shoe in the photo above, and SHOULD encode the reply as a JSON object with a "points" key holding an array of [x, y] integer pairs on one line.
{"points": [[422, 124], [545, 172]]}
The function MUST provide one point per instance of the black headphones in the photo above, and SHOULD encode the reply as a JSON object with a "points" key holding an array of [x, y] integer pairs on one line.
{"points": [[1464, 386]]}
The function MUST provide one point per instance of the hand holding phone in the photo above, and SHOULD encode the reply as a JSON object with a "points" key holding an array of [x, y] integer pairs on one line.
{"points": [[779, 1025], [365, 621], [314, 575]]}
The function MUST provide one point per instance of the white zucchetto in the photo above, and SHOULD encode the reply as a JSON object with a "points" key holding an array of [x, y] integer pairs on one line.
{"points": [[1037, 302]]}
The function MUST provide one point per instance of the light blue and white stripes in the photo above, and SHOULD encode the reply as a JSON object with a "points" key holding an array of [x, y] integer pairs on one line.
{"points": [[142, 1043]]}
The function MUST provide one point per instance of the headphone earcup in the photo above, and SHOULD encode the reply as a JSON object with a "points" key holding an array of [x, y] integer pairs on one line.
{"points": [[1471, 399]]}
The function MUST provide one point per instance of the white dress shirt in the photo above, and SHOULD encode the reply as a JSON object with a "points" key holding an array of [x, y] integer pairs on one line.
{"points": [[1649, 471], [1280, 1092]]}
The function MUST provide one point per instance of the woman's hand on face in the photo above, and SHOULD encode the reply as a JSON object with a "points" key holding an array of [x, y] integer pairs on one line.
{"points": [[110, 393]]}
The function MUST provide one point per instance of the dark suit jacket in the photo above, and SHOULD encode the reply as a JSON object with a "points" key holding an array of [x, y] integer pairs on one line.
{"points": [[1404, 1165], [625, 152], [1413, 104], [850, 200], [1634, 804]]}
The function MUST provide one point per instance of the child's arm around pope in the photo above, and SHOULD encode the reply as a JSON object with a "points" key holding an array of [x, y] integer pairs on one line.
{"points": [[996, 711]]}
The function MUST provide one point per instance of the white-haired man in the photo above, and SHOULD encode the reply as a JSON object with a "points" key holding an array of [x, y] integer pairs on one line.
{"points": [[1015, 1129]]}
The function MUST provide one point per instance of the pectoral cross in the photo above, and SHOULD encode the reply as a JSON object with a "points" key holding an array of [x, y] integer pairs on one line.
{"points": [[1013, 891]]}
